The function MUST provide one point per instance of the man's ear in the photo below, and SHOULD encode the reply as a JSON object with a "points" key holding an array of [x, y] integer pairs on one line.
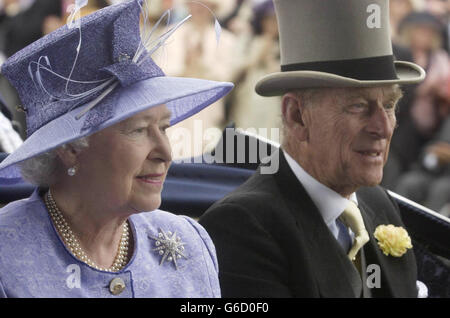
{"points": [[68, 155], [293, 112]]}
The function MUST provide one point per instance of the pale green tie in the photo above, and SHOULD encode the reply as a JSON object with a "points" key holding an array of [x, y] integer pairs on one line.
{"points": [[353, 219]]}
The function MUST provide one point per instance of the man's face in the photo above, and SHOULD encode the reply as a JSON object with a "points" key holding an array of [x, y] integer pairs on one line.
{"points": [[349, 132]]}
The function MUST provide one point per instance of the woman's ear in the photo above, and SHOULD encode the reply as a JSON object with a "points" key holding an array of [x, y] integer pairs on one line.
{"points": [[68, 155], [293, 112]]}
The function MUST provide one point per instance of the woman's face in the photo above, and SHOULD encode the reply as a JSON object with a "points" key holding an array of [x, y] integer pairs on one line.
{"points": [[126, 164]]}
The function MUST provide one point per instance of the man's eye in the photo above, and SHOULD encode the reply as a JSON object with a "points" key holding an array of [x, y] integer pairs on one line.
{"points": [[357, 107], [389, 106]]}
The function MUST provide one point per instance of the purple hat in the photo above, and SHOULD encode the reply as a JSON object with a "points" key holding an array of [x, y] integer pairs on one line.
{"points": [[79, 80]]}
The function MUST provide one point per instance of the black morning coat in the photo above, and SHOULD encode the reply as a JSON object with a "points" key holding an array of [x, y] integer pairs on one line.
{"points": [[271, 241]]}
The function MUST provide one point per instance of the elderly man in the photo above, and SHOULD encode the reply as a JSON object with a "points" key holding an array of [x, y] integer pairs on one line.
{"points": [[320, 226]]}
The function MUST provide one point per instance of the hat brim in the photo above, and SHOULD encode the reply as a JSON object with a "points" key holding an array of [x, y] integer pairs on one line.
{"points": [[277, 84], [183, 96]]}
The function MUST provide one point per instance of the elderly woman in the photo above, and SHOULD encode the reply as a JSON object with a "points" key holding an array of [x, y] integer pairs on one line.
{"points": [[97, 109]]}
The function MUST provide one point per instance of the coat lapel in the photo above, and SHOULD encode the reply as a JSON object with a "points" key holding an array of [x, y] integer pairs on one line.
{"points": [[334, 273], [367, 291], [390, 267]]}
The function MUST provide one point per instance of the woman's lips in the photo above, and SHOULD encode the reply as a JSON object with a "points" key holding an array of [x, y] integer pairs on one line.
{"points": [[152, 178]]}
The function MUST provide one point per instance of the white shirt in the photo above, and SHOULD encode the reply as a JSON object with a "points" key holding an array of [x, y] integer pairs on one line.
{"points": [[330, 203]]}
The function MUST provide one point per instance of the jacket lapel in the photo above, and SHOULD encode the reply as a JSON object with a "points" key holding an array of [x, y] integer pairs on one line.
{"points": [[367, 291], [391, 273], [334, 273]]}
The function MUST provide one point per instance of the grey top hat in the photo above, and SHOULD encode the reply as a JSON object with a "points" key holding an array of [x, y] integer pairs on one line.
{"points": [[335, 43]]}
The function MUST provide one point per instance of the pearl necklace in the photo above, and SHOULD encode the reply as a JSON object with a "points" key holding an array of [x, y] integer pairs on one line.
{"points": [[74, 246]]}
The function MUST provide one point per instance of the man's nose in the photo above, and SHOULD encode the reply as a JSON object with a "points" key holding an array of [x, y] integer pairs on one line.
{"points": [[381, 123]]}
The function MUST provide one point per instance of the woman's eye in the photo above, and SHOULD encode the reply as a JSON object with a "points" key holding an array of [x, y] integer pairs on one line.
{"points": [[164, 128], [140, 130]]}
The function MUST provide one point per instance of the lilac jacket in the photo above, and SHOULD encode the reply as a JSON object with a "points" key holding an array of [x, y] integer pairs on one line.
{"points": [[35, 263]]}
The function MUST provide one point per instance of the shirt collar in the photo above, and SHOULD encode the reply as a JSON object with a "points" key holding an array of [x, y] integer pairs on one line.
{"points": [[330, 203]]}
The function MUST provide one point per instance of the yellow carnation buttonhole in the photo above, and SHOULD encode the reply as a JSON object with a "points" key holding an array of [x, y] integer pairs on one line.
{"points": [[393, 240]]}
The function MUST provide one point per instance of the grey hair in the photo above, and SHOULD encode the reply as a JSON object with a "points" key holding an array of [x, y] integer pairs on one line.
{"points": [[308, 97], [42, 170]]}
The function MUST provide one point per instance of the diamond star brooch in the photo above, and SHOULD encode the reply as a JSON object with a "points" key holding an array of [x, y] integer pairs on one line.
{"points": [[169, 246]]}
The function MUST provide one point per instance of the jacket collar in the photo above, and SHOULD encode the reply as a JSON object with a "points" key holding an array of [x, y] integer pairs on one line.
{"points": [[329, 203], [335, 275]]}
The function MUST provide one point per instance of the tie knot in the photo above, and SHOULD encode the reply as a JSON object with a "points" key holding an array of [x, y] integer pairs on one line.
{"points": [[353, 219], [352, 211]]}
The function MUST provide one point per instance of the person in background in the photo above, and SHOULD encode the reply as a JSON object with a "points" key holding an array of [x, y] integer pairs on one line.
{"points": [[441, 10], [260, 56], [195, 51], [53, 22], [28, 25], [421, 32], [427, 181], [404, 145], [398, 10]]}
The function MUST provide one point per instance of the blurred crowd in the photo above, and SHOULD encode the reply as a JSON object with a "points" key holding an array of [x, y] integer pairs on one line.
{"points": [[246, 49], [419, 161]]}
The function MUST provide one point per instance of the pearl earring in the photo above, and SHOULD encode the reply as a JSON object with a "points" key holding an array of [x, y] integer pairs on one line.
{"points": [[71, 171]]}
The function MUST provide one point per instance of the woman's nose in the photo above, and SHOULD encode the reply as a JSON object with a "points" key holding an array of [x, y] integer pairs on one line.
{"points": [[162, 149]]}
